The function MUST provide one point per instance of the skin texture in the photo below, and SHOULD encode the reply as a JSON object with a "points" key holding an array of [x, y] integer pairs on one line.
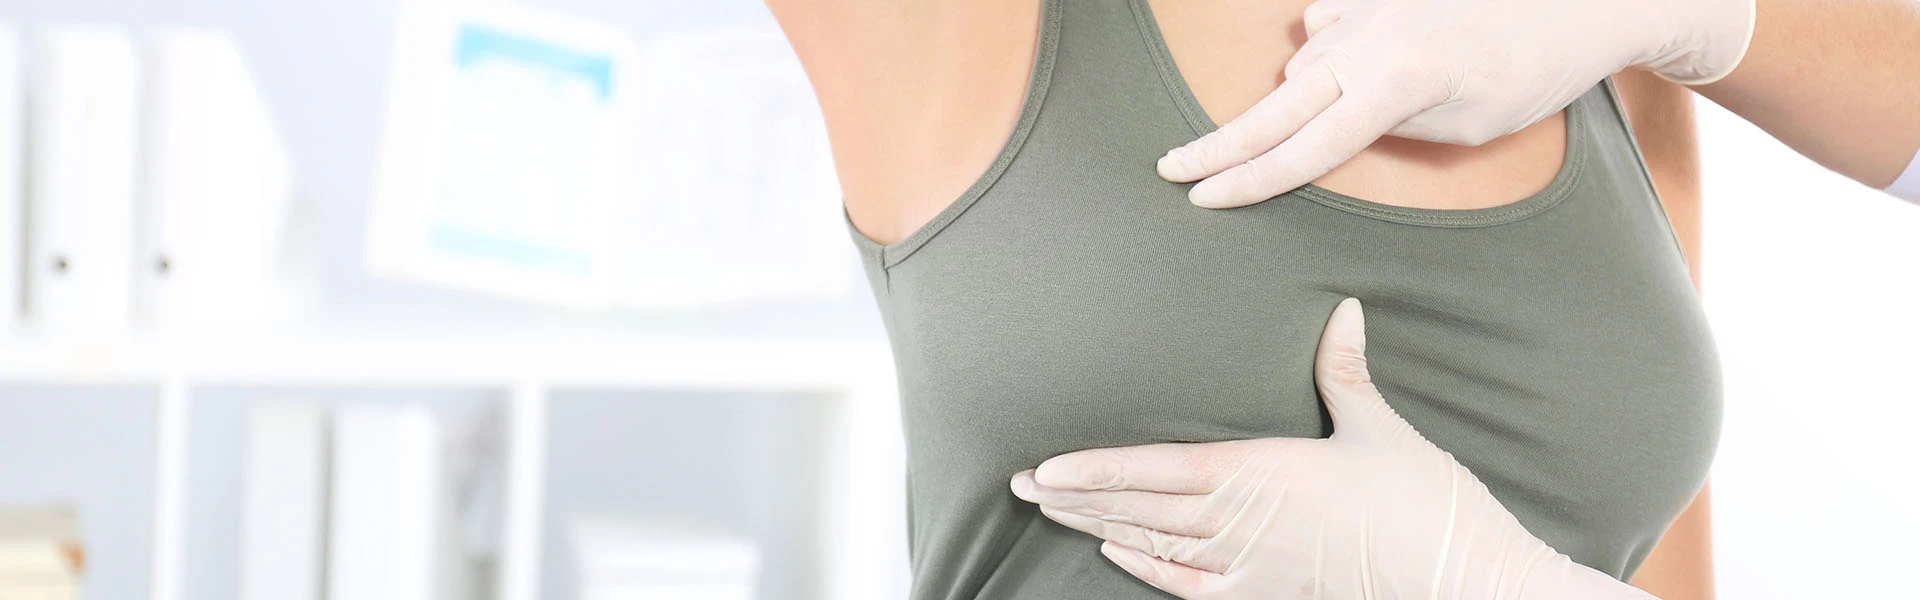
{"points": [[1836, 81], [919, 97]]}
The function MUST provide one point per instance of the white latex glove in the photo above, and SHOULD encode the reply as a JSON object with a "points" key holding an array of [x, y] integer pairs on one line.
{"points": [[1376, 511], [1454, 71]]}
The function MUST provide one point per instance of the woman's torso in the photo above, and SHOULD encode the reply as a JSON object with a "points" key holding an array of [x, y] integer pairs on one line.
{"points": [[1072, 299]]}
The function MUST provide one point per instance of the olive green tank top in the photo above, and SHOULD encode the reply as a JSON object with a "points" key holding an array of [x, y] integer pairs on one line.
{"points": [[1072, 299]]}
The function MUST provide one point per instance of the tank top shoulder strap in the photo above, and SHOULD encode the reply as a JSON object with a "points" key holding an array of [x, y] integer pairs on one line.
{"points": [[1094, 74], [1614, 142], [1113, 58], [1611, 113]]}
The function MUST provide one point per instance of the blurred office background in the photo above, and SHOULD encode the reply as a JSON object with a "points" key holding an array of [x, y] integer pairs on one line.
{"points": [[645, 434], [703, 410]]}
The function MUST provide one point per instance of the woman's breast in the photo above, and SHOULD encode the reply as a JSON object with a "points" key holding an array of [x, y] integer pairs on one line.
{"points": [[1562, 358]]}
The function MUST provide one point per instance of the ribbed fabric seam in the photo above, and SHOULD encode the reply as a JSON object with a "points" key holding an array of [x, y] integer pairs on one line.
{"points": [[1574, 165], [1174, 83]]}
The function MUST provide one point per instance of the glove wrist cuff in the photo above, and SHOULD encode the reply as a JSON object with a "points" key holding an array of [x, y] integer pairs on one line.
{"points": [[1557, 577], [1712, 49]]}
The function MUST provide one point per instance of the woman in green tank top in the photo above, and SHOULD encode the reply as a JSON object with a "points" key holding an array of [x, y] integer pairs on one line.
{"points": [[1528, 309]]}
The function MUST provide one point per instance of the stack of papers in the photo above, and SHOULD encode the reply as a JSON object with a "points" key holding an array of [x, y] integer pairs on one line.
{"points": [[40, 557]]}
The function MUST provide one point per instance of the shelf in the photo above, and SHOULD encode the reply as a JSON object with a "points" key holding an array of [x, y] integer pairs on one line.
{"points": [[855, 378], [466, 361], [746, 464]]}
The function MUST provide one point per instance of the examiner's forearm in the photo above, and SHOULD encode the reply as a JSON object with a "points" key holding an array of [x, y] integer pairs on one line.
{"points": [[1836, 80]]}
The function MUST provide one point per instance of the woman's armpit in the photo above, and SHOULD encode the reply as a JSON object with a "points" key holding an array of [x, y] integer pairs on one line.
{"points": [[918, 98]]}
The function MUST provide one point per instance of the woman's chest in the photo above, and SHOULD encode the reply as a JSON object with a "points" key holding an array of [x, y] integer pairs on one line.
{"points": [[1578, 380]]}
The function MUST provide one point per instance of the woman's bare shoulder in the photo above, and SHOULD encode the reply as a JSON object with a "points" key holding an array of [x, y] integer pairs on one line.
{"points": [[918, 96]]}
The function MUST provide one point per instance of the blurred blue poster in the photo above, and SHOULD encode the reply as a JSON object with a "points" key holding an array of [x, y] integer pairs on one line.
{"points": [[506, 153]]}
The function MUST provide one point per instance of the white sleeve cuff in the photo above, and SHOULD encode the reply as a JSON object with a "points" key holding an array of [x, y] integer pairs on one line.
{"points": [[1907, 186]]}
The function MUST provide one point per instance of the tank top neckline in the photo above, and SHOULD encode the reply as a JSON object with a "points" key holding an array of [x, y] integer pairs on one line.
{"points": [[1572, 163]]}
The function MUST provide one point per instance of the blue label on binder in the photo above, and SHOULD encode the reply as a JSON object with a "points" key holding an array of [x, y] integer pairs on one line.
{"points": [[477, 43]]}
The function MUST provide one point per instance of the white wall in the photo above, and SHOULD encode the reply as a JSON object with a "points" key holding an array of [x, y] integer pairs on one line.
{"points": [[1813, 285]]}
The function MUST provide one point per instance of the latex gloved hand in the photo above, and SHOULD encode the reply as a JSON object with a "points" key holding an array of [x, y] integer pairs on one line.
{"points": [[1453, 71], [1375, 511]]}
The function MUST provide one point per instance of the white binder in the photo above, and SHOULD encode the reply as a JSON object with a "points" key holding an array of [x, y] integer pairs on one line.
{"points": [[391, 534], [13, 188], [83, 106], [284, 510], [215, 188]]}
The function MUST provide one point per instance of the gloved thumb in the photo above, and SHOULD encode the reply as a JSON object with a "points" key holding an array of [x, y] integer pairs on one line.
{"points": [[1346, 386]]}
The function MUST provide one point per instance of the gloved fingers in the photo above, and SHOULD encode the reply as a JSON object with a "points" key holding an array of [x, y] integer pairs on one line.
{"points": [[1340, 373], [1340, 361], [1173, 578], [1326, 49], [1184, 514], [1323, 13], [1165, 468], [1427, 130], [1354, 122], [1443, 123], [1196, 552], [1273, 118]]}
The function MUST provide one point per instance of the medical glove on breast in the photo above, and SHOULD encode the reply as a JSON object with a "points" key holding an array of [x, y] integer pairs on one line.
{"points": [[1453, 71], [1375, 511]]}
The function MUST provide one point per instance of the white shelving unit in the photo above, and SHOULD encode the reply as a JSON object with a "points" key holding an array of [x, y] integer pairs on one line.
{"points": [[861, 518]]}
